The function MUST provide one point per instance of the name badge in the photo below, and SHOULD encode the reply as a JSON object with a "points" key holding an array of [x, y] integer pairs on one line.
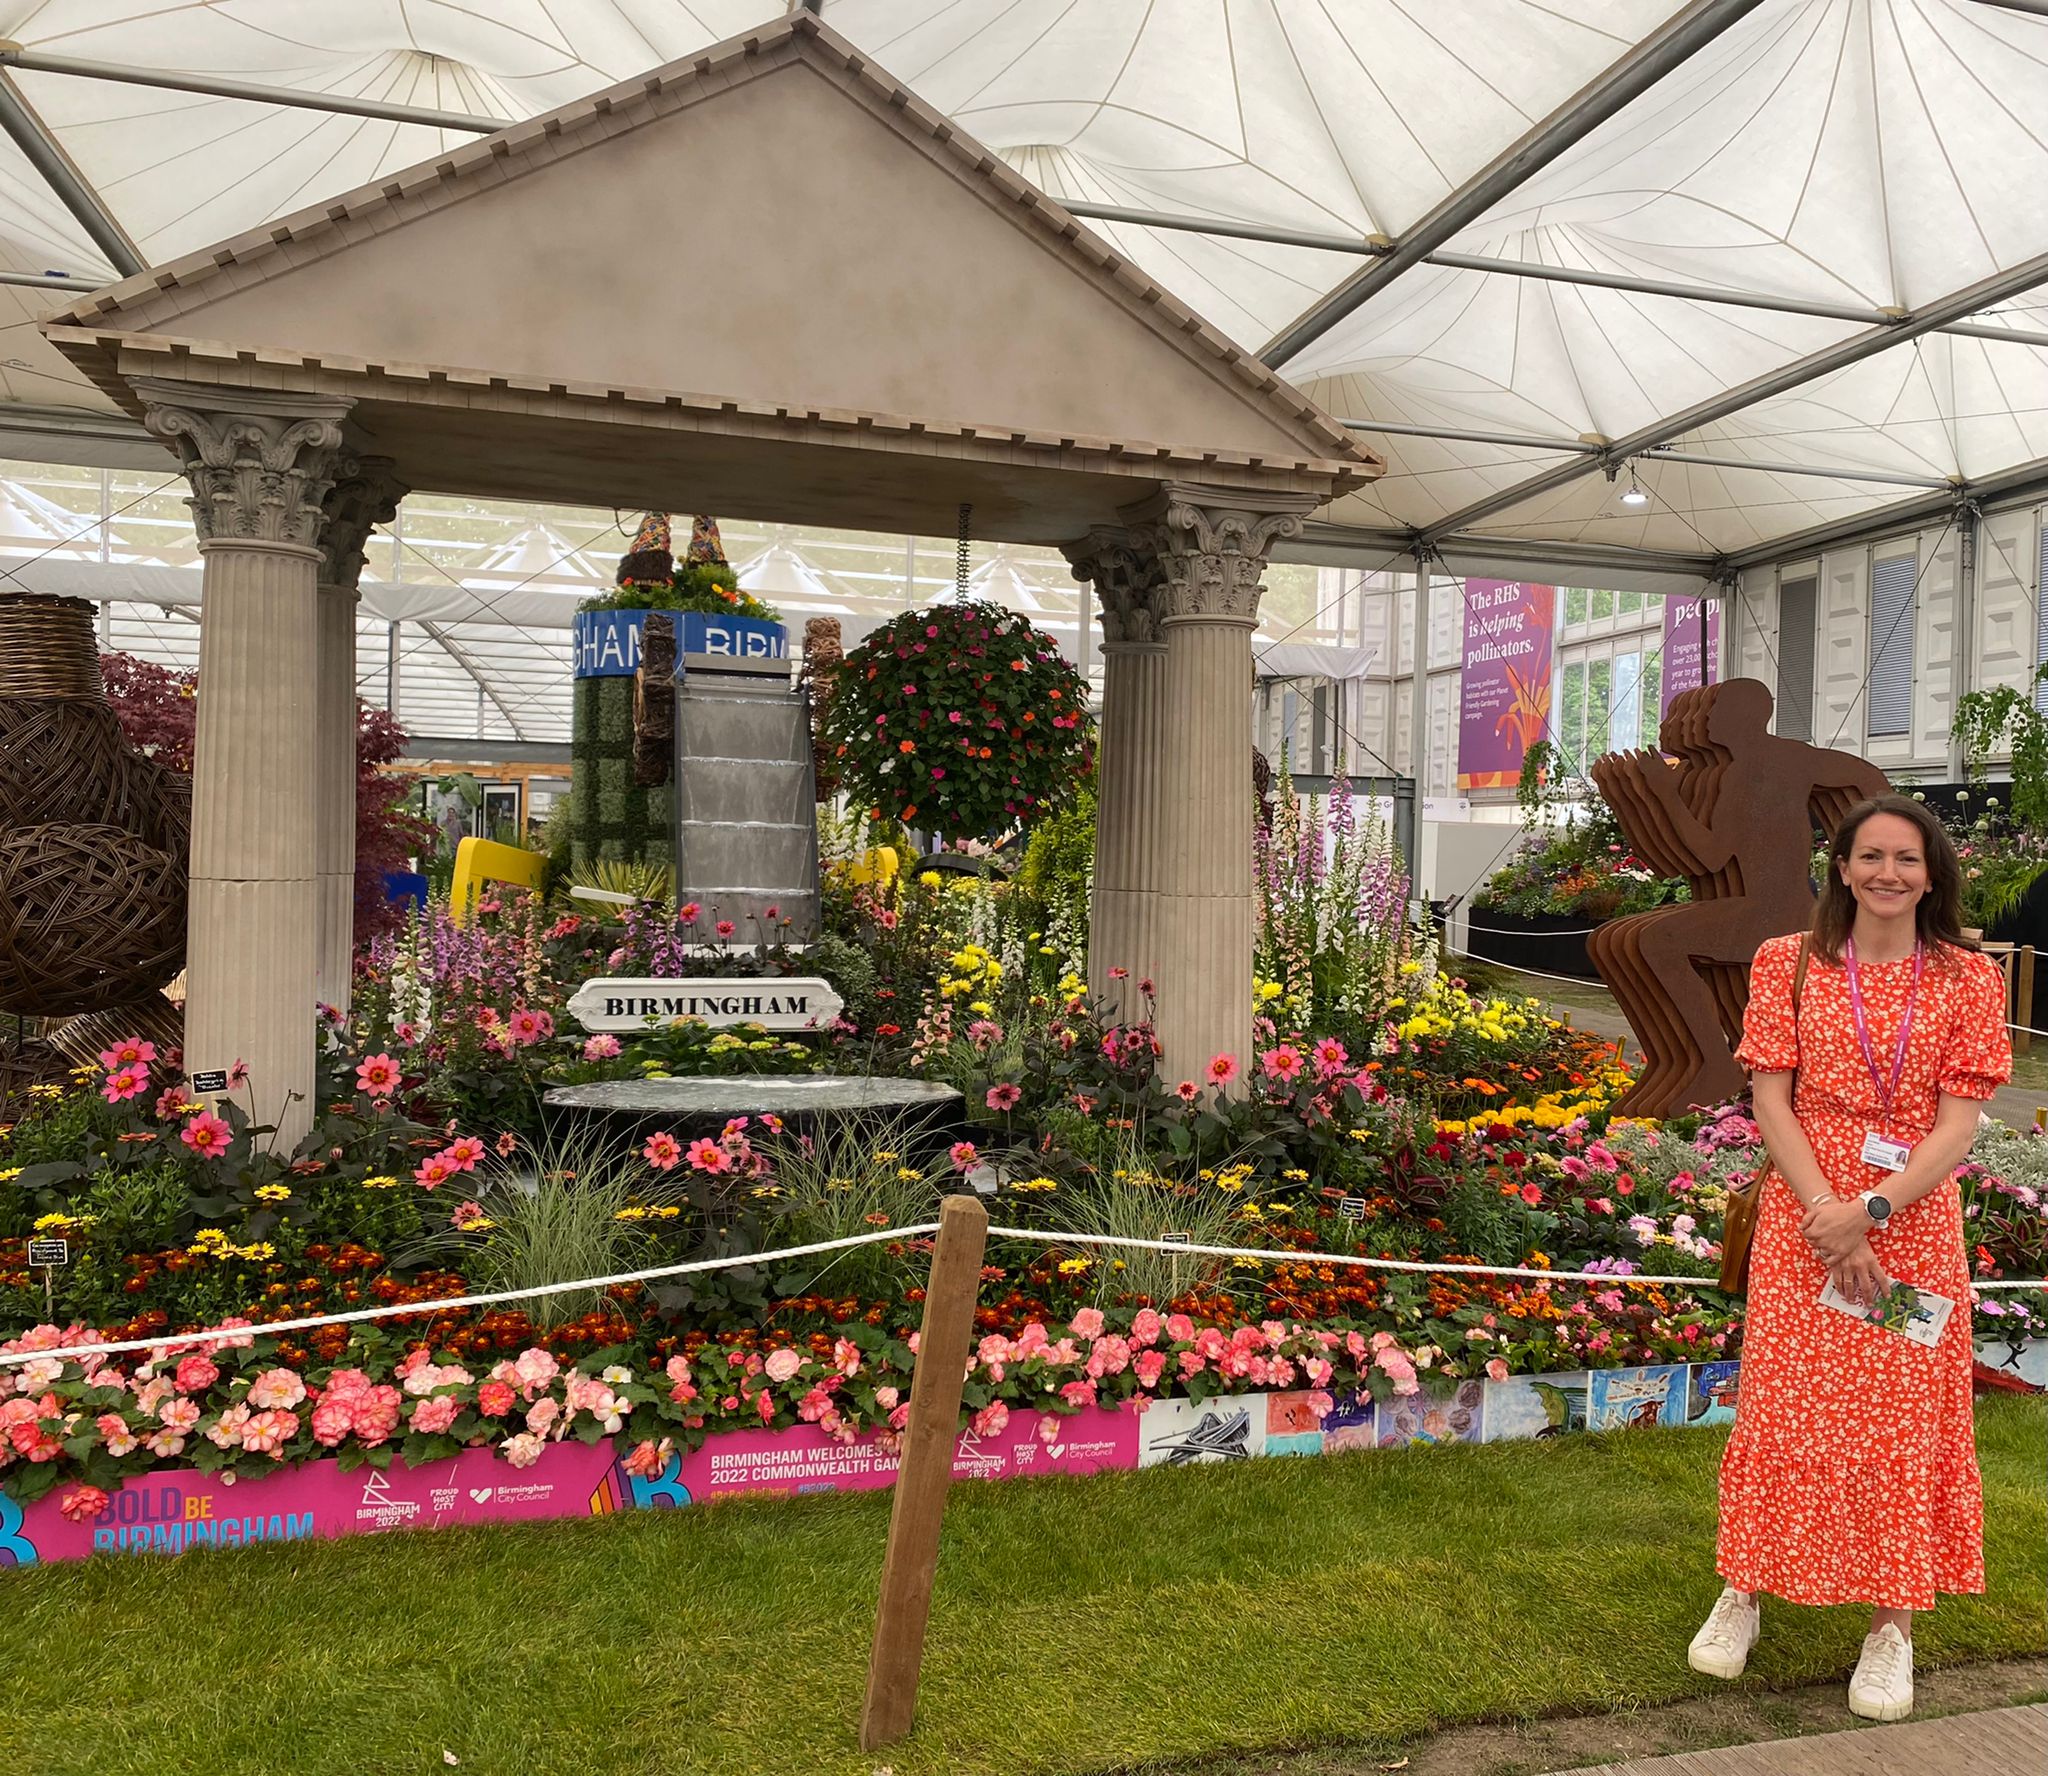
{"points": [[1890, 1156]]}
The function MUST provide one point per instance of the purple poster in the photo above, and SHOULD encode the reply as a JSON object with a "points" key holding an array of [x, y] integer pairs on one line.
{"points": [[1505, 695], [1682, 645]]}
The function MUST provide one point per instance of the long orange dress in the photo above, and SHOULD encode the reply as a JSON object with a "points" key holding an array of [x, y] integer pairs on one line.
{"points": [[1851, 1476]]}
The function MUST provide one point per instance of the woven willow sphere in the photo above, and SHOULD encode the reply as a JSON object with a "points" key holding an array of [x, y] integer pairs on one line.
{"points": [[90, 917]]}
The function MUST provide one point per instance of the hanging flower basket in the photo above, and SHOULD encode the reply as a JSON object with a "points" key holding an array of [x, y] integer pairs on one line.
{"points": [[962, 720]]}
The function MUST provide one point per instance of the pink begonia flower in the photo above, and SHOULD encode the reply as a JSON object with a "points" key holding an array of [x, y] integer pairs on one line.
{"points": [[886, 1398], [268, 1432], [992, 1420], [1148, 1366], [1078, 1393], [178, 1414], [602, 1048], [535, 1369], [494, 1398], [846, 1356], [436, 1415], [196, 1374], [764, 1403], [164, 1444], [1111, 1356], [1496, 1370], [1321, 1405], [541, 1415], [649, 1458], [1088, 1323], [782, 1365], [276, 1389], [375, 1414], [523, 1450], [1191, 1364], [1179, 1328], [899, 1417], [1146, 1326], [227, 1430], [82, 1504], [115, 1434], [1318, 1370]]}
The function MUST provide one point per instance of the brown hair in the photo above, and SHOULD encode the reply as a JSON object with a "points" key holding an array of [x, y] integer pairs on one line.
{"points": [[1938, 919]]}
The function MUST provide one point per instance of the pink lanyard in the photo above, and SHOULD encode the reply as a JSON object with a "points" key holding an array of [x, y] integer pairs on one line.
{"points": [[1885, 1093]]}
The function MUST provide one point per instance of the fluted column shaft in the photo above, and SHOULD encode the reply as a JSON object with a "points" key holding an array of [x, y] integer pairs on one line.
{"points": [[260, 465], [1211, 552], [1122, 925], [365, 494]]}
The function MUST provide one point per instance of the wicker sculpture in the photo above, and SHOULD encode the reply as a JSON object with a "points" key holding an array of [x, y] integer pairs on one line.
{"points": [[93, 840], [1735, 816]]}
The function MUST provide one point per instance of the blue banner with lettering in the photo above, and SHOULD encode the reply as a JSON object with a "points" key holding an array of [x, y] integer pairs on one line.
{"points": [[608, 641]]}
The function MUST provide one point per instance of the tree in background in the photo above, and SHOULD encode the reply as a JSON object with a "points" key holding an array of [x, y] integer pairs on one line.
{"points": [[158, 710]]}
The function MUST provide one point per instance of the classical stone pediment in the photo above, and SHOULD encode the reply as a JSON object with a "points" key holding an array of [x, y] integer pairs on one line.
{"points": [[774, 227]]}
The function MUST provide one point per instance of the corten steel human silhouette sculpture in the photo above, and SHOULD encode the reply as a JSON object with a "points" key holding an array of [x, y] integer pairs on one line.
{"points": [[1735, 815]]}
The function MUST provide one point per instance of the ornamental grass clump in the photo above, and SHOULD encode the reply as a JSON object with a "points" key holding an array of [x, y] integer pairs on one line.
{"points": [[856, 1174], [961, 719]]}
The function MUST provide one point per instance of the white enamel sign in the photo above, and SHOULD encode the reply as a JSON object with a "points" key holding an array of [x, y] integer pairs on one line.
{"points": [[626, 1004]]}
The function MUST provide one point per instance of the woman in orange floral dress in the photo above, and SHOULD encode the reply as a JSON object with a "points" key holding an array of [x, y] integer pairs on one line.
{"points": [[1851, 1476]]}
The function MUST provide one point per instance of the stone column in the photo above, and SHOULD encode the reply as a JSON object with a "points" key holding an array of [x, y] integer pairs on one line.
{"points": [[365, 493], [1211, 546], [1129, 805], [261, 464]]}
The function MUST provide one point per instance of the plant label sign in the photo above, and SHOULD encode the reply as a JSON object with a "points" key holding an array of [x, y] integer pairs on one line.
{"points": [[624, 1005], [210, 1082], [49, 1251], [1352, 1208]]}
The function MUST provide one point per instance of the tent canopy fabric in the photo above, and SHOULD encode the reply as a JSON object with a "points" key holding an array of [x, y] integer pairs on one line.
{"points": [[1872, 157]]}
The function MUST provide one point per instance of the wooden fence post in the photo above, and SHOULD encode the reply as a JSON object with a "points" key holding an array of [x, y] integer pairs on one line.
{"points": [[912, 1559]]}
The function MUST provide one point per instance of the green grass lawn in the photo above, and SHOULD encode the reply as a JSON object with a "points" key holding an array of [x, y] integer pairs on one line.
{"points": [[1137, 1620]]}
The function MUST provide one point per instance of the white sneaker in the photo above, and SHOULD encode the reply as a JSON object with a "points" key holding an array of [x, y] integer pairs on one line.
{"points": [[1882, 1687], [1721, 1647]]}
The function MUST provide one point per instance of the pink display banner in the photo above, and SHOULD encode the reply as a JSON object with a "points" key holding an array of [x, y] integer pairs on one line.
{"points": [[1683, 659], [1504, 687], [175, 1509]]}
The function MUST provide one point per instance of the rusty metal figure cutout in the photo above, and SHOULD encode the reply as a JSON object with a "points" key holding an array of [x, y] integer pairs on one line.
{"points": [[1735, 815]]}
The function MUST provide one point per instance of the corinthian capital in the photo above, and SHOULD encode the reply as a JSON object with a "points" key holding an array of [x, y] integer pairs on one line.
{"points": [[365, 494], [260, 463], [1211, 545], [1126, 579]]}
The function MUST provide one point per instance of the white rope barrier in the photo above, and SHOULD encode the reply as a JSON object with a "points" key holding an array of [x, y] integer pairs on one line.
{"points": [[167, 1343], [1047, 1236], [458, 1303]]}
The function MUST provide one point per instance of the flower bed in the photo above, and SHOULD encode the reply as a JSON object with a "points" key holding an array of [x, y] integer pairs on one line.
{"points": [[170, 1510]]}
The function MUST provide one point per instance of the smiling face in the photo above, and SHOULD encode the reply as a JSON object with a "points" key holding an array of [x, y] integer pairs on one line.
{"points": [[1886, 869]]}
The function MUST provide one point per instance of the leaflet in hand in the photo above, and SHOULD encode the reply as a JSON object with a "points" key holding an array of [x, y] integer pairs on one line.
{"points": [[1898, 1307]]}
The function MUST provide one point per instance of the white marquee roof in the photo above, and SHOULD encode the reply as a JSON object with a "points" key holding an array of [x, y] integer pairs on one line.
{"points": [[1860, 155]]}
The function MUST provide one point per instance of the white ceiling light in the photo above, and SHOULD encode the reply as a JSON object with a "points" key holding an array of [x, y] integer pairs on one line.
{"points": [[1632, 494]]}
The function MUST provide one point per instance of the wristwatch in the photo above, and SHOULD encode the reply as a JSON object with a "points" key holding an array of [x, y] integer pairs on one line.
{"points": [[1878, 1208]]}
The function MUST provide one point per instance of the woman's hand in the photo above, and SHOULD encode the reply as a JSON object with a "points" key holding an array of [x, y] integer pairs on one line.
{"points": [[1836, 1228], [1859, 1276]]}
